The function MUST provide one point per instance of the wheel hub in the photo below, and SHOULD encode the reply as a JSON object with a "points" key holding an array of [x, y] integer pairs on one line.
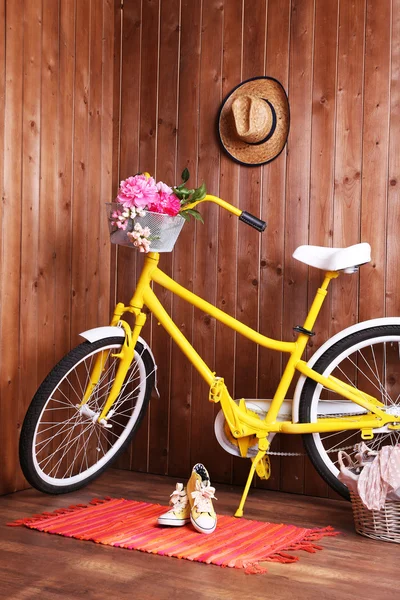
{"points": [[93, 416]]}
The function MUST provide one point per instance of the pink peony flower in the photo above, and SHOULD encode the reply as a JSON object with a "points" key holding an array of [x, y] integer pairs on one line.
{"points": [[166, 202], [138, 191], [163, 187]]}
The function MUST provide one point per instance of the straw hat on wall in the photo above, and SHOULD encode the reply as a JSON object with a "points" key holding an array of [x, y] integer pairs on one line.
{"points": [[253, 122]]}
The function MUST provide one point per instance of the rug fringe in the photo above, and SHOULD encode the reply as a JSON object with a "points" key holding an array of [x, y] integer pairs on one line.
{"points": [[255, 569], [306, 544], [58, 511]]}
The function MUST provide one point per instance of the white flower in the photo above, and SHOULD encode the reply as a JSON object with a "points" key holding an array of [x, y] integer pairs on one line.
{"points": [[163, 187], [139, 237]]}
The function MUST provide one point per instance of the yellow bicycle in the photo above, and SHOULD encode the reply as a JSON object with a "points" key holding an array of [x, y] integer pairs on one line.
{"points": [[88, 408]]}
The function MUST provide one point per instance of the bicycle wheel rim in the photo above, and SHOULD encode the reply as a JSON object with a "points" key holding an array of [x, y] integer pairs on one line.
{"points": [[90, 445], [368, 360]]}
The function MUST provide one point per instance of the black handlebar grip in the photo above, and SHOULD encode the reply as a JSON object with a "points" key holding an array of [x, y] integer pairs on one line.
{"points": [[250, 219]]}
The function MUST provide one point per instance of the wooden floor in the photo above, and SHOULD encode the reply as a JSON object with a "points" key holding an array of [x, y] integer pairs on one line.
{"points": [[36, 565]]}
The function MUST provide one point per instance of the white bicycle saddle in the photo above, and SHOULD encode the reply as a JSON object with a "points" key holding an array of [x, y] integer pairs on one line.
{"points": [[334, 259]]}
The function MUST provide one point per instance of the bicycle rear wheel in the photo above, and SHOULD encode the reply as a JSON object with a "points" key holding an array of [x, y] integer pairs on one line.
{"points": [[62, 446], [368, 359]]}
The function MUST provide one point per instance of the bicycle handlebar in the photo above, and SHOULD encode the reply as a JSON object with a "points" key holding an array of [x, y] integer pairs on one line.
{"points": [[253, 221], [243, 215]]}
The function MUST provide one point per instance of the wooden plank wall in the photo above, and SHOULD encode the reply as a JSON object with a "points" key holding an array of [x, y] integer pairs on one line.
{"points": [[336, 184], [90, 94], [56, 111]]}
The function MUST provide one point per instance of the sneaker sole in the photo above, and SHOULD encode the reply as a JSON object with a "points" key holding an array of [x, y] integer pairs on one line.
{"points": [[201, 529], [173, 522]]}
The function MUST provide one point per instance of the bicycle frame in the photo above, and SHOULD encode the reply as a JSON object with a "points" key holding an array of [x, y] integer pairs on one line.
{"points": [[241, 423], [244, 424]]}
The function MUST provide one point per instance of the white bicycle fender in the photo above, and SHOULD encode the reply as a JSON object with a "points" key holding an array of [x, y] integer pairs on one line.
{"points": [[328, 344], [99, 333]]}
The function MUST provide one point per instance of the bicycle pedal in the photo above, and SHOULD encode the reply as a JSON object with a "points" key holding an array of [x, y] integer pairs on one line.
{"points": [[263, 468], [216, 389]]}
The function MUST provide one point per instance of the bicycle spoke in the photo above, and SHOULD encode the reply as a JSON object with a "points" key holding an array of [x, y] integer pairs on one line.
{"points": [[380, 388], [350, 381], [82, 449], [340, 442], [51, 438], [68, 447], [67, 444]]}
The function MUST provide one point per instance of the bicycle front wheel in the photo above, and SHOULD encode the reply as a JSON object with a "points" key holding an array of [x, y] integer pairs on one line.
{"points": [[368, 359], [63, 446]]}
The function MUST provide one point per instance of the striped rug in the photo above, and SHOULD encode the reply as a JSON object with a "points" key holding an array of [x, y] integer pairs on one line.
{"points": [[239, 543]]}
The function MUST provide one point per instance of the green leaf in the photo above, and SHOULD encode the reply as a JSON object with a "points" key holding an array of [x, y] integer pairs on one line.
{"points": [[198, 217], [199, 193], [182, 195], [203, 191], [195, 214], [196, 195], [185, 192], [185, 175], [184, 214]]}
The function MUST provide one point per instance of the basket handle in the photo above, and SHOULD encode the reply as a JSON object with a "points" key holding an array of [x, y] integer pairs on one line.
{"points": [[342, 456]]}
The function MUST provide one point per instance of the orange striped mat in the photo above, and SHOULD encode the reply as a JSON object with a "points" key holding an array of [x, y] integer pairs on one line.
{"points": [[239, 543]]}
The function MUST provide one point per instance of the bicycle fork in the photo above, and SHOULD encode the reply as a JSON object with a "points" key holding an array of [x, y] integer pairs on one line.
{"points": [[125, 355]]}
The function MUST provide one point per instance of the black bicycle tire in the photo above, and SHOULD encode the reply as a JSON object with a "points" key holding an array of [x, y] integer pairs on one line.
{"points": [[308, 390], [41, 397]]}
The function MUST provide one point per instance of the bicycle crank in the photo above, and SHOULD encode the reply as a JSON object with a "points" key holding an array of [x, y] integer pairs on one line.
{"points": [[260, 408]]}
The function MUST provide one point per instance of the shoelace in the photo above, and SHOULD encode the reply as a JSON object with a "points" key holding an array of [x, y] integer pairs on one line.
{"points": [[203, 495], [179, 498], [364, 454]]}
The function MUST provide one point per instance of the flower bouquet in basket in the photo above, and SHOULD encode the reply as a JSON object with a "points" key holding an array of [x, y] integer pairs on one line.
{"points": [[149, 216]]}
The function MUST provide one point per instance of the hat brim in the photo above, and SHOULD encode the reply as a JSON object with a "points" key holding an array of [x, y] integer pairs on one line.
{"points": [[269, 89]]}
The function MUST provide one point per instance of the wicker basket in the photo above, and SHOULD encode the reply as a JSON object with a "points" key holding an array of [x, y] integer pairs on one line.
{"points": [[381, 524], [164, 230]]}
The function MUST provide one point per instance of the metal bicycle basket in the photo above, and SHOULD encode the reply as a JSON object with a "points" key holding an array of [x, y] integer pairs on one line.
{"points": [[164, 229]]}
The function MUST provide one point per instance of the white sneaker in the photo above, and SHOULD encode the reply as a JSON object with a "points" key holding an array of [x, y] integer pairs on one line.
{"points": [[179, 513], [201, 493]]}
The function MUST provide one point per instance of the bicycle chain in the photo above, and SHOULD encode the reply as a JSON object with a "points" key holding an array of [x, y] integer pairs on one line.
{"points": [[261, 414], [305, 454]]}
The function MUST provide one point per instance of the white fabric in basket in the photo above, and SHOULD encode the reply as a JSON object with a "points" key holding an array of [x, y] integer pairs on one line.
{"points": [[379, 480], [349, 473]]}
